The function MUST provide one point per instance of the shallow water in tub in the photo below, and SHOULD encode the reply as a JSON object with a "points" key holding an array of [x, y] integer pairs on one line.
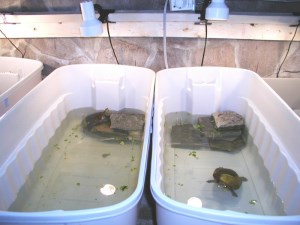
{"points": [[186, 171], [74, 169]]}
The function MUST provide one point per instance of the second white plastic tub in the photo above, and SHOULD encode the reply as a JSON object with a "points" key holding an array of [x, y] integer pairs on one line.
{"points": [[288, 90], [274, 128], [17, 77], [26, 130]]}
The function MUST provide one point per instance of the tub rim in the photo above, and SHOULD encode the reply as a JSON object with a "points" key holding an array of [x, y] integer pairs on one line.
{"points": [[37, 67]]}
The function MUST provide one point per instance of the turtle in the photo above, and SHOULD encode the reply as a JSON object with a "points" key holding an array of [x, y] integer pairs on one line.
{"points": [[96, 119], [228, 178]]}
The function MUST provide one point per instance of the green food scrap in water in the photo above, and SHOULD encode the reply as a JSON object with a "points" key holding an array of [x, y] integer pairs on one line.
{"points": [[123, 188], [78, 184], [199, 127], [105, 155], [194, 154], [252, 202]]}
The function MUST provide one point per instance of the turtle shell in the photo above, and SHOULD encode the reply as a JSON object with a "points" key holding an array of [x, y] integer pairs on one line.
{"points": [[228, 178]]}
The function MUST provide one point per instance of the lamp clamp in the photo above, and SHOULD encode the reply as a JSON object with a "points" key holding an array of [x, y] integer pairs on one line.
{"points": [[103, 13]]}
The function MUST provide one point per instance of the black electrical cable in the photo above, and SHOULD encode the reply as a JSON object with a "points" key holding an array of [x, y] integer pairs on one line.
{"points": [[23, 54], [104, 19], [288, 50], [111, 45], [205, 41]]}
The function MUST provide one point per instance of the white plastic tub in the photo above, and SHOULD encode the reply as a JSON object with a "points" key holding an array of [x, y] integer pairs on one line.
{"points": [[17, 77], [274, 128], [288, 90], [26, 129]]}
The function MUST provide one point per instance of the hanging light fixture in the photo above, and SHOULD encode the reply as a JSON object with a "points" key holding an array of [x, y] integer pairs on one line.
{"points": [[217, 10], [90, 27]]}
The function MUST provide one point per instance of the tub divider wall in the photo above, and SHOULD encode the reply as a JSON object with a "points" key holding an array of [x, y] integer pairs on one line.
{"points": [[202, 96], [115, 87]]}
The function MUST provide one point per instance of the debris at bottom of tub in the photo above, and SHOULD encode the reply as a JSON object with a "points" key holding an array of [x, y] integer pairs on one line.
{"points": [[228, 179], [108, 189], [124, 187], [222, 131], [105, 155], [194, 154], [78, 183], [122, 126], [169, 196], [252, 202], [132, 158], [133, 169]]}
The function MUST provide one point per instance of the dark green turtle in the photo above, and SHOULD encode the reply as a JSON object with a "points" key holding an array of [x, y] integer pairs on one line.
{"points": [[96, 119], [228, 178]]}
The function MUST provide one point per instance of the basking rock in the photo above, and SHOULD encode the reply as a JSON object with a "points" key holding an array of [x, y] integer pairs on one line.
{"points": [[100, 125], [187, 136], [206, 134], [220, 139], [225, 145], [206, 126], [228, 120], [127, 121]]}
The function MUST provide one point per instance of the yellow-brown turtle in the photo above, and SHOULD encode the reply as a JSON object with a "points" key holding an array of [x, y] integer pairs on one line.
{"points": [[228, 179]]}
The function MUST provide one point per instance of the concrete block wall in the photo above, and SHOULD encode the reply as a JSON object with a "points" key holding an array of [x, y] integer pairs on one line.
{"points": [[263, 57]]}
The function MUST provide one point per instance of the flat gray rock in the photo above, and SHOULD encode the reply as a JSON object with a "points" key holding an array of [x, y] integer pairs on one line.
{"points": [[186, 136], [204, 134], [127, 121], [228, 120]]}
